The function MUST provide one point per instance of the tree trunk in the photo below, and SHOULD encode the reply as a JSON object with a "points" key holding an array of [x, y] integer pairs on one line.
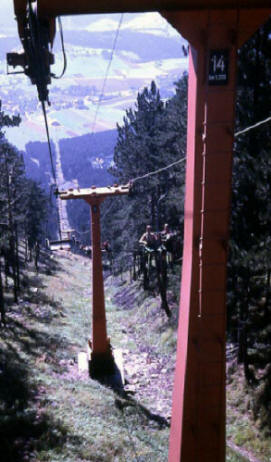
{"points": [[2, 302], [25, 248], [13, 266], [17, 260]]}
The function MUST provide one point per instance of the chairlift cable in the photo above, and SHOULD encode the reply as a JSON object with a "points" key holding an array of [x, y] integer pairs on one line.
{"points": [[155, 172], [52, 164], [63, 51], [236, 134], [48, 141], [256, 125], [106, 74]]}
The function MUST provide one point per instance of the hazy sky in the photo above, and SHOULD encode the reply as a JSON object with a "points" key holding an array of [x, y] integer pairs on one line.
{"points": [[7, 16]]}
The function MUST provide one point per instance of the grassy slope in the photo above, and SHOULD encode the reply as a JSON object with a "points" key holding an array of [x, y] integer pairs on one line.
{"points": [[50, 412]]}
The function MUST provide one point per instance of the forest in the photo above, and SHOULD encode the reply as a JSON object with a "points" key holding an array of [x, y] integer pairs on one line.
{"points": [[23, 211]]}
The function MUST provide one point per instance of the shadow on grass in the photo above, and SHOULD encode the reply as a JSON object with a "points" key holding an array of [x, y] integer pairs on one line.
{"points": [[124, 400], [19, 339], [136, 416], [24, 427], [25, 424]]}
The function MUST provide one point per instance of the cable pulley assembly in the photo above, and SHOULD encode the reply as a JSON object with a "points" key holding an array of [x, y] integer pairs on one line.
{"points": [[36, 36]]}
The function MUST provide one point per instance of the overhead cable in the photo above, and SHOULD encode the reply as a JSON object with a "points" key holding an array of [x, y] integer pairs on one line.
{"points": [[251, 127], [48, 141], [106, 74], [63, 51], [155, 172], [52, 166]]}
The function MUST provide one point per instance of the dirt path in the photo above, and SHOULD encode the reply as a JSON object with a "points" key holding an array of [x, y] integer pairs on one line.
{"points": [[147, 339]]}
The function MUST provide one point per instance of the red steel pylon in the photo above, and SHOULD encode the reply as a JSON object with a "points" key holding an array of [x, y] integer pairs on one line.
{"points": [[198, 410], [101, 360]]}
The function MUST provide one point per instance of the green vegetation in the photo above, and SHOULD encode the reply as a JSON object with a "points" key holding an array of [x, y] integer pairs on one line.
{"points": [[249, 302], [23, 209], [78, 158], [151, 137], [51, 412]]}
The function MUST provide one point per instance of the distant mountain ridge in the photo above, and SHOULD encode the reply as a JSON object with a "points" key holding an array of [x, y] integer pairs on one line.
{"points": [[146, 46]]}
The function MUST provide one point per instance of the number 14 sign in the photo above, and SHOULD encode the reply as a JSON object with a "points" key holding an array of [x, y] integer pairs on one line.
{"points": [[218, 67]]}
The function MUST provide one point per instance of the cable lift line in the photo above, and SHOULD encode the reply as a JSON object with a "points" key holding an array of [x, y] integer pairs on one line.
{"points": [[251, 127], [95, 115], [49, 142], [106, 74], [155, 172], [63, 51], [94, 121], [236, 134]]}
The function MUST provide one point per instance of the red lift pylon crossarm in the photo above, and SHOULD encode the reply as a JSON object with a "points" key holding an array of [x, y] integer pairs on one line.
{"points": [[101, 360]]}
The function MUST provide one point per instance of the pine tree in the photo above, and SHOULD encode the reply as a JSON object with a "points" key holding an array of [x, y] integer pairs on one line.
{"points": [[249, 267], [22, 209], [35, 213], [151, 137]]}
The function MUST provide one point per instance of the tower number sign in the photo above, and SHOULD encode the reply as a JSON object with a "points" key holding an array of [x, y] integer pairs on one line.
{"points": [[218, 72]]}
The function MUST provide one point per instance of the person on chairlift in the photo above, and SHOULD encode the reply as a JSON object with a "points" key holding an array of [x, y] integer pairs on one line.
{"points": [[166, 234], [148, 239]]}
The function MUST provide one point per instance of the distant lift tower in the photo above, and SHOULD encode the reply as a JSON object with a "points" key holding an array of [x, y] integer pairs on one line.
{"points": [[101, 360]]}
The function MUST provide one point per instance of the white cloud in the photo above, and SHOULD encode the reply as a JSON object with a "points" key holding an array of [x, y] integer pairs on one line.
{"points": [[102, 25], [151, 22]]}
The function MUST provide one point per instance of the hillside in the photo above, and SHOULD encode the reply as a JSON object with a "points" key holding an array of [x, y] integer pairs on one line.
{"points": [[84, 159], [84, 162], [87, 157], [52, 412]]}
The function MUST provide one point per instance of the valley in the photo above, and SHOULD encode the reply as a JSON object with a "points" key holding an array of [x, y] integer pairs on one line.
{"points": [[148, 48]]}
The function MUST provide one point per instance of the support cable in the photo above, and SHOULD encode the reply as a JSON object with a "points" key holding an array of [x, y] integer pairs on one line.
{"points": [[52, 164], [106, 74], [48, 141], [155, 172], [63, 51], [258, 124]]}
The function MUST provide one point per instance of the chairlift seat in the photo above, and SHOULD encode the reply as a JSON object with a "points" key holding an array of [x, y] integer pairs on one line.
{"points": [[62, 244]]}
